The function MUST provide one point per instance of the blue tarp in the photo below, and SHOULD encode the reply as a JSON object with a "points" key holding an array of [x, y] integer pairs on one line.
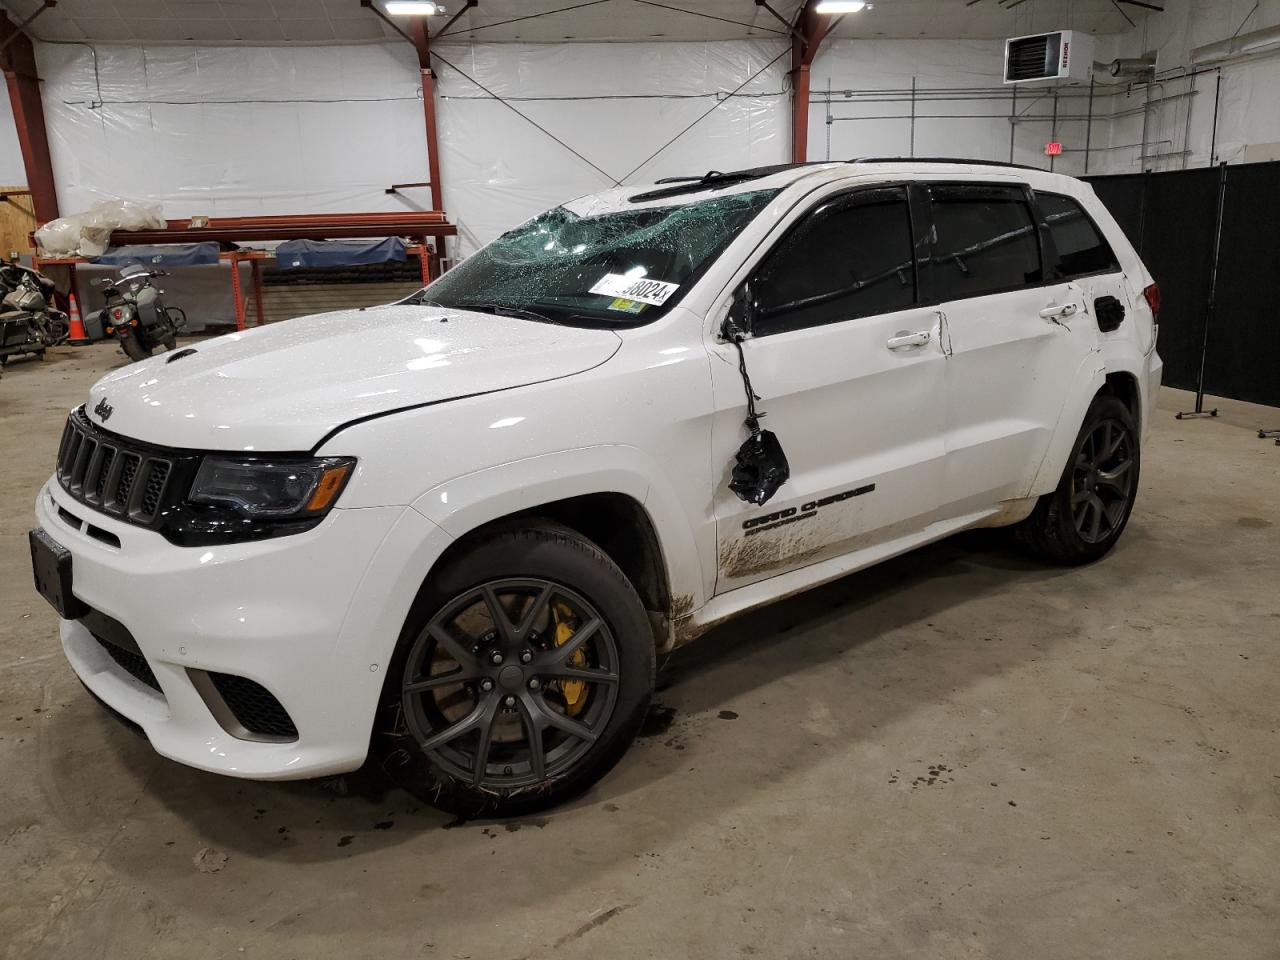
{"points": [[167, 254], [339, 253]]}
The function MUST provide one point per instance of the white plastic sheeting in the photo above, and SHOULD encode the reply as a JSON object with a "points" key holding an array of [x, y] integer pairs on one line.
{"points": [[275, 130], [88, 234], [615, 104], [12, 172], [233, 130], [264, 130]]}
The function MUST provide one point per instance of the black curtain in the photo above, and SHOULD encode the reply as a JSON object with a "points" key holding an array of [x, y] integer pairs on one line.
{"points": [[1243, 357], [1170, 219]]}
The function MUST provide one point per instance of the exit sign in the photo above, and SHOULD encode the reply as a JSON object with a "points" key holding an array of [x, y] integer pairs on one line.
{"points": [[1053, 149]]}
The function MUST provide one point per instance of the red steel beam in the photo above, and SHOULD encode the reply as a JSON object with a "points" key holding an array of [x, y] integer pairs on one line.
{"points": [[807, 36], [18, 60], [335, 226], [422, 44]]}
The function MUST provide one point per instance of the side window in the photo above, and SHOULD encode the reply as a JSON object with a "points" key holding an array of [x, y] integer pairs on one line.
{"points": [[984, 240], [850, 257], [1081, 247]]}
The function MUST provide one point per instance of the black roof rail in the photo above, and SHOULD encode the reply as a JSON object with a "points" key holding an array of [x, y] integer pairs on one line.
{"points": [[983, 163]]}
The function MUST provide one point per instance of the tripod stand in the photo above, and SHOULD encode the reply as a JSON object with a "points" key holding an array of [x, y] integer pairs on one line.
{"points": [[1199, 410]]}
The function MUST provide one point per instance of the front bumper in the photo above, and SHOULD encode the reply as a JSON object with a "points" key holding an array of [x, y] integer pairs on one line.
{"points": [[313, 618]]}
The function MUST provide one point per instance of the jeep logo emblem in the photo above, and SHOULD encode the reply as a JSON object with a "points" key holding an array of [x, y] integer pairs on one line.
{"points": [[103, 410]]}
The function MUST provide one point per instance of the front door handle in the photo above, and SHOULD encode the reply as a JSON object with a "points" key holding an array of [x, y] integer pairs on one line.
{"points": [[903, 340], [1059, 313]]}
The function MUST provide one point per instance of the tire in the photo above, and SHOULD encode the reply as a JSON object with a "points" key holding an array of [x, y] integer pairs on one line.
{"points": [[1083, 518], [133, 349], [575, 677]]}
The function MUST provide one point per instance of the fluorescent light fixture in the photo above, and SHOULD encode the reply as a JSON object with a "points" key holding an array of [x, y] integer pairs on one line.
{"points": [[413, 8], [839, 6]]}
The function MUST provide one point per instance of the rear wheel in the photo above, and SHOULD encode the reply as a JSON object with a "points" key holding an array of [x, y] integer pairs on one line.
{"points": [[523, 674], [1083, 518]]}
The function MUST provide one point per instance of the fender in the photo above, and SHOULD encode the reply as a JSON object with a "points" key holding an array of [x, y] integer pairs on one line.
{"points": [[1124, 355], [467, 502], [1089, 378]]}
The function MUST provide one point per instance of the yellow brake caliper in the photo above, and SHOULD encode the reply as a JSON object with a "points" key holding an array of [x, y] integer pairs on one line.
{"points": [[574, 691]]}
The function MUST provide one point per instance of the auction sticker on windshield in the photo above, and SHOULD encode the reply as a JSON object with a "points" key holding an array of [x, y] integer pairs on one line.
{"points": [[655, 292]]}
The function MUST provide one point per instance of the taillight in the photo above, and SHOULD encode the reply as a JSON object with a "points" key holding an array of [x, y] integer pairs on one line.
{"points": [[116, 313], [1152, 295]]}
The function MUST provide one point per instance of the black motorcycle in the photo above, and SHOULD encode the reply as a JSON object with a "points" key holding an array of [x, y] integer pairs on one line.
{"points": [[136, 313], [29, 323]]}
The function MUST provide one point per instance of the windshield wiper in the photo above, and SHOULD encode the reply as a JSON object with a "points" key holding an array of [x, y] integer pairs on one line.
{"points": [[503, 310], [711, 180], [418, 300]]}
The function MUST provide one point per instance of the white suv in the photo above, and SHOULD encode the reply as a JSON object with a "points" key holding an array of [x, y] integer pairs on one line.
{"points": [[454, 532]]}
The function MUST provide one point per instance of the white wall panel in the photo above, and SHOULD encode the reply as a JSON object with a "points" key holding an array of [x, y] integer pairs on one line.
{"points": [[962, 108], [1248, 112]]}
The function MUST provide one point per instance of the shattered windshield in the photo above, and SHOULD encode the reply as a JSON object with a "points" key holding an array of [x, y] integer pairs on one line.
{"points": [[616, 268]]}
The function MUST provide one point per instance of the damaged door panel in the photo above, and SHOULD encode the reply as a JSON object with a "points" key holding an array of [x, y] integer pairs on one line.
{"points": [[848, 366]]}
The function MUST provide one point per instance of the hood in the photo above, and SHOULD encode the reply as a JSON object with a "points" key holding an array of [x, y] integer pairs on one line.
{"points": [[284, 387]]}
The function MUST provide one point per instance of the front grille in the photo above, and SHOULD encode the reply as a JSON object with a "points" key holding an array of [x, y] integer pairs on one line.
{"points": [[120, 477], [131, 661], [254, 706]]}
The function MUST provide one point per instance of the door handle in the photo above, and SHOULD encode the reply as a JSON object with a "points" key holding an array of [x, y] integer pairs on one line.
{"points": [[1059, 313], [903, 340]]}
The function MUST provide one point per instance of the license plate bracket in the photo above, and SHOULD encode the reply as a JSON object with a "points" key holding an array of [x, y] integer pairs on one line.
{"points": [[51, 567]]}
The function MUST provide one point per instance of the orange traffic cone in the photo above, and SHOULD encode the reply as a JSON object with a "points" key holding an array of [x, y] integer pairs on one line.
{"points": [[77, 335]]}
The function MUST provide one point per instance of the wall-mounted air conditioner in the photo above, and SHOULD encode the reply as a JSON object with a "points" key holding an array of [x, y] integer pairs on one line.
{"points": [[1063, 55]]}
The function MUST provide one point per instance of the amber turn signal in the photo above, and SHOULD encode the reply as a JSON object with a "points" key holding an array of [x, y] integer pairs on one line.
{"points": [[330, 485]]}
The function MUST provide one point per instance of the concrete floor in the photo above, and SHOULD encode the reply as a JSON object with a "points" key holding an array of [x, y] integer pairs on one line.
{"points": [[958, 754]]}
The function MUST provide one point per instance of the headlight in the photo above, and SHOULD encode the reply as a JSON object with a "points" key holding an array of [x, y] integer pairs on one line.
{"points": [[272, 489]]}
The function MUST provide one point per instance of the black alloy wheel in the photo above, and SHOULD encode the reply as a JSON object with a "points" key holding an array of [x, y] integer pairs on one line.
{"points": [[511, 682], [1083, 518], [1102, 481], [522, 674]]}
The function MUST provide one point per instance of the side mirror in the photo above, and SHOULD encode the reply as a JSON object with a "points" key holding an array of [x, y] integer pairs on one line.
{"points": [[740, 319]]}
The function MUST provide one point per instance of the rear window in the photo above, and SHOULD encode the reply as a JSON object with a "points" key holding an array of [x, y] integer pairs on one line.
{"points": [[1081, 247], [985, 241]]}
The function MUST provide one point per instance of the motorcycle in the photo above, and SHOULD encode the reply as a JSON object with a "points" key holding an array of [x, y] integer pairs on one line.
{"points": [[136, 314], [28, 321]]}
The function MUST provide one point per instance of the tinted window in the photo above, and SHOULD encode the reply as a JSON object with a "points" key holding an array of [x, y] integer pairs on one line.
{"points": [[1081, 246], [985, 241], [849, 258]]}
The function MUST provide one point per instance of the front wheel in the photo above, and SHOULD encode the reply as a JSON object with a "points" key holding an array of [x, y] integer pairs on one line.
{"points": [[522, 675], [133, 348], [1083, 518]]}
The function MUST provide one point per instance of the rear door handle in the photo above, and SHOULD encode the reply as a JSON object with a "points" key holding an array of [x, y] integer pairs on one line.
{"points": [[1059, 313], [903, 340]]}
